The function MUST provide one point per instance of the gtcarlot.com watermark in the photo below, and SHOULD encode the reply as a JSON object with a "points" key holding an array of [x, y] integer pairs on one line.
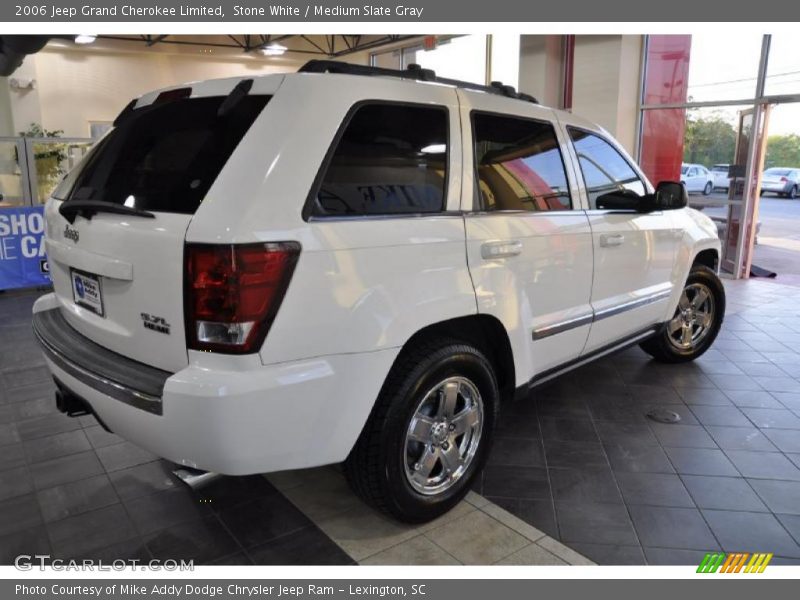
{"points": [[29, 562]]}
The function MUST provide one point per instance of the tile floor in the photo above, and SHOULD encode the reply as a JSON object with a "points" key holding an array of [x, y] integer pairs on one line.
{"points": [[581, 461], [578, 463]]}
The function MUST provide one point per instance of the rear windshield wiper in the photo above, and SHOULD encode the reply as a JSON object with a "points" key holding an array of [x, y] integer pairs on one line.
{"points": [[88, 208]]}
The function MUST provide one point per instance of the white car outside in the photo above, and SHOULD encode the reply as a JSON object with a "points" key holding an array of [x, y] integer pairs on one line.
{"points": [[697, 179], [269, 273], [781, 181], [721, 179]]}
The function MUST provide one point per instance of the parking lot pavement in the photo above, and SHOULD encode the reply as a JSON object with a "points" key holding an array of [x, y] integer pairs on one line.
{"points": [[577, 471]]}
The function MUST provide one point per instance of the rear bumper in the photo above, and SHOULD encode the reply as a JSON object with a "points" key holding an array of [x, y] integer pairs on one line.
{"points": [[229, 415], [779, 188]]}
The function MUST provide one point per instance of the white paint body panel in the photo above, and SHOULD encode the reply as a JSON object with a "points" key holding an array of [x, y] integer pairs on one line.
{"points": [[362, 286]]}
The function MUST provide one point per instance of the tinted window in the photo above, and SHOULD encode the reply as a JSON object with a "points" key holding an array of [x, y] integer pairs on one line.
{"points": [[778, 172], [390, 159], [163, 157], [518, 164], [604, 168]]}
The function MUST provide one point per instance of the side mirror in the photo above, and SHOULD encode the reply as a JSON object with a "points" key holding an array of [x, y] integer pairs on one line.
{"points": [[670, 195], [619, 200]]}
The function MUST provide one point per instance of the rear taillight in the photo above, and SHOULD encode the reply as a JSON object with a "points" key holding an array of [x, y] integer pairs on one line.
{"points": [[233, 293], [784, 180]]}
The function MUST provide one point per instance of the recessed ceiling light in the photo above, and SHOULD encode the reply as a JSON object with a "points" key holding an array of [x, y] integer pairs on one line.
{"points": [[85, 38], [273, 49]]}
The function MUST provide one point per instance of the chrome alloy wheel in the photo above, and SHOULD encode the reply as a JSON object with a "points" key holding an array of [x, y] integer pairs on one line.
{"points": [[443, 435], [693, 318]]}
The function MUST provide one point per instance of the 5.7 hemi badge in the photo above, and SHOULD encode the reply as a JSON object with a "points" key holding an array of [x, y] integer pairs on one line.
{"points": [[155, 323]]}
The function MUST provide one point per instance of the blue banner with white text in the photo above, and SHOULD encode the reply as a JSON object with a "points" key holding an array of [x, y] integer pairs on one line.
{"points": [[23, 262]]}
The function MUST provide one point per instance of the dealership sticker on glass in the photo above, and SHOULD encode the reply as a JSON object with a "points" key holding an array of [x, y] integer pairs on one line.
{"points": [[86, 291]]}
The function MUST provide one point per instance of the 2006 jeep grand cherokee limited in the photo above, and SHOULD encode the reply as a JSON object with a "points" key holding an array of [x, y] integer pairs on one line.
{"points": [[356, 265]]}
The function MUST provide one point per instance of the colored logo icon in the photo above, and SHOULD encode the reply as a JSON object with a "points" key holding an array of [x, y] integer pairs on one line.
{"points": [[734, 562], [79, 287]]}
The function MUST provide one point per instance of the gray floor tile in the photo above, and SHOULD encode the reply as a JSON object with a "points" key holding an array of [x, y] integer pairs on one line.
{"points": [[701, 461], [74, 498], [15, 482], [737, 530], [725, 416], [673, 556], [201, 540], [595, 523], [764, 465], [11, 456], [575, 454], [165, 509], [723, 493], [704, 397], [122, 456], [626, 433], [76, 536], [143, 480], [19, 513], [741, 438], [779, 496], [587, 485], [608, 554], [768, 418], [516, 482], [636, 458], [792, 524], [29, 542], [47, 425], [656, 489], [539, 513], [100, 438], [683, 436], [567, 430], [753, 399], [66, 469], [55, 446], [786, 440], [664, 527], [526, 452]]}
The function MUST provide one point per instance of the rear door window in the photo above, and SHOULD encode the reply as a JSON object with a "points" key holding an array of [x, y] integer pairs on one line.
{"points": [[163, 157], [389, 159]]}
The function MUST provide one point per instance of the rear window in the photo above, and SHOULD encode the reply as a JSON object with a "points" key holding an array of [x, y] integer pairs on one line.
{"points": [[390, 159], [720, 168], [778, 172], [163, 157]]}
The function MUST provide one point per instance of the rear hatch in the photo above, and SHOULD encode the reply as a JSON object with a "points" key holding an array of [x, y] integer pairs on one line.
{"points": [[116, 224], [775, 177]]}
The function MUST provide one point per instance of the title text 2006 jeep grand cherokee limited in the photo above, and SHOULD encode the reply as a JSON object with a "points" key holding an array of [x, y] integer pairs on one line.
{"points": [[358, 265]]}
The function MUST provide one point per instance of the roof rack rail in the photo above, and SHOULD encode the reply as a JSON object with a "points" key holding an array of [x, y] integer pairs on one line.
{"points": [[413, 71]]}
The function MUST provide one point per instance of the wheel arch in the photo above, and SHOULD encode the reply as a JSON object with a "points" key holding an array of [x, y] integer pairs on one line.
{"points": [[485, 332], [708, 257]]}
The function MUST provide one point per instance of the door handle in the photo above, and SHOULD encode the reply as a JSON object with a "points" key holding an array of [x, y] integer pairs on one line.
{"points": [[501, 249], [609, 240]]}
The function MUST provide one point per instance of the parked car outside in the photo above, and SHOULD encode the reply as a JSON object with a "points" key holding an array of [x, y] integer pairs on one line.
{"points": [[784, 182], [721, 179], [285, 271], [697, 179]]}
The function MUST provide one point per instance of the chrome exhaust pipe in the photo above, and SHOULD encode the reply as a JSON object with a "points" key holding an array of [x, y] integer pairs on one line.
{"points": [[195, 478]]}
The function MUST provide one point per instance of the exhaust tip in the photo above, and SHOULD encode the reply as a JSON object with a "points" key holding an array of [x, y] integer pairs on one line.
{"points": [[195, 478]]}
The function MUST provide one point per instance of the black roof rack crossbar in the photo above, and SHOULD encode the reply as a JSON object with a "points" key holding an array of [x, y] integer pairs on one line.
{"points": [[415, 72]]}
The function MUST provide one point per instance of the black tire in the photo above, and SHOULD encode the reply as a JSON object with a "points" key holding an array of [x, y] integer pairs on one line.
{"points": [[376, 467], [664, 348], [792, 193], [708, 189]]}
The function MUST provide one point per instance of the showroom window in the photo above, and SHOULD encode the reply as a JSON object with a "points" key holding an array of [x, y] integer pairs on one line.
{"points": [[518, 164], [604, 169], [390, 159]]}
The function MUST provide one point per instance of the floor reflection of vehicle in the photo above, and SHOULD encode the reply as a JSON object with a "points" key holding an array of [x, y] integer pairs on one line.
{"points": [[782, 181], [721, 180], [697, 178]]}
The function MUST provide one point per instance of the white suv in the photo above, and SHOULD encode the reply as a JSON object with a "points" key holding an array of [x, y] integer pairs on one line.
{"points": [[356, 265]]}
